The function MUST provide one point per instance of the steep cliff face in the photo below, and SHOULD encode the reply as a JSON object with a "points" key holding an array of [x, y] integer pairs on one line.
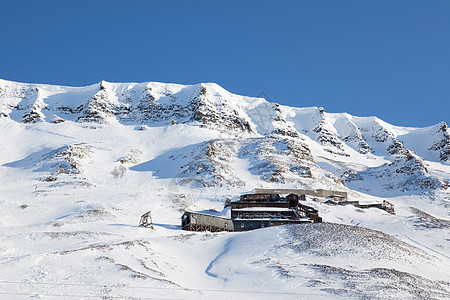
{"points": [[213, 109], [351, 134], [442, 145], [99, 107]]}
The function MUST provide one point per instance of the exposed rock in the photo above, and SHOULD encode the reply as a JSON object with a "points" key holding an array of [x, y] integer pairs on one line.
{"points": [[70, 110], [211, 165], [57, 120], [423, 220], [281, 126], [406, 173], [66, 160], [220, 116], [358, 139], [443, 145], [98, 108], [326, 136], [32, 117], [282, 160]]}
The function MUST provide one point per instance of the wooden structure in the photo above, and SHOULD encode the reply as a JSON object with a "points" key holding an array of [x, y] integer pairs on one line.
{"points": [[333, 197], [386, 205], [146, 220], [254, 211], [194, 221]]}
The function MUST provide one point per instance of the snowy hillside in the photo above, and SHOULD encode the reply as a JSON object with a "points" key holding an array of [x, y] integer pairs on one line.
{"points": [[80, 165]]}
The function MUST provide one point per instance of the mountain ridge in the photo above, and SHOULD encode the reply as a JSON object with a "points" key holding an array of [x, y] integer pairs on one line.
{"points": [[333, 136]]}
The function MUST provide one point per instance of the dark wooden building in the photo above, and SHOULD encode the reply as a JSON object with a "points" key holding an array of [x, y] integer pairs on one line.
{"points": [[254, 211]]}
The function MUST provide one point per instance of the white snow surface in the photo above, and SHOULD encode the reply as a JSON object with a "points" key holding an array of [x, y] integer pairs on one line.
{"points": [[80, 165]]}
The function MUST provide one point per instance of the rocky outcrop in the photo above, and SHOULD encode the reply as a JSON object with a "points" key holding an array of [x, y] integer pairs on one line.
{"points": [[218, 114], [272, 160], [358, 139], [443, 145], [11, 96], [99, 107], [351, 134], [210, 166], [325, 136], [380, 134], [149, 110], [405, 173], [67, 159], [284, 160], [27, 101], [281, 126]]}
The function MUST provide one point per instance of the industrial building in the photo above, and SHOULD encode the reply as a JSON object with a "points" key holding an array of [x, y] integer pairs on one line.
{"points": [[254, 211]]}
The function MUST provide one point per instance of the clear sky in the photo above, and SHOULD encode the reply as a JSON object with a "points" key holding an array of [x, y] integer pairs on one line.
{"points": [[385, 58]]}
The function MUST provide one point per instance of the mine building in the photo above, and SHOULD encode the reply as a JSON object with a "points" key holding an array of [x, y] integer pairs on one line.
{"points": [[254, 211]]}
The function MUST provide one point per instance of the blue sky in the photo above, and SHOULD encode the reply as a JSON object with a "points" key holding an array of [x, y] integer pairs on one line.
{"points": [[385, 58]]}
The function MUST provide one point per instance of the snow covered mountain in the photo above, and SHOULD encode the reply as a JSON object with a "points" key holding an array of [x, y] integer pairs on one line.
{"points": [[79, 165]]}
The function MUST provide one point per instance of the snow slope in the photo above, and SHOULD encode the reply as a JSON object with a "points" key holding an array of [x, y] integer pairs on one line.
{"points": [[80, 165]]}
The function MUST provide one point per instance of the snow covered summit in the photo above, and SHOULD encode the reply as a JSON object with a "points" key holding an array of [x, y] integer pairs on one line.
{"points": [[286, 144]]}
